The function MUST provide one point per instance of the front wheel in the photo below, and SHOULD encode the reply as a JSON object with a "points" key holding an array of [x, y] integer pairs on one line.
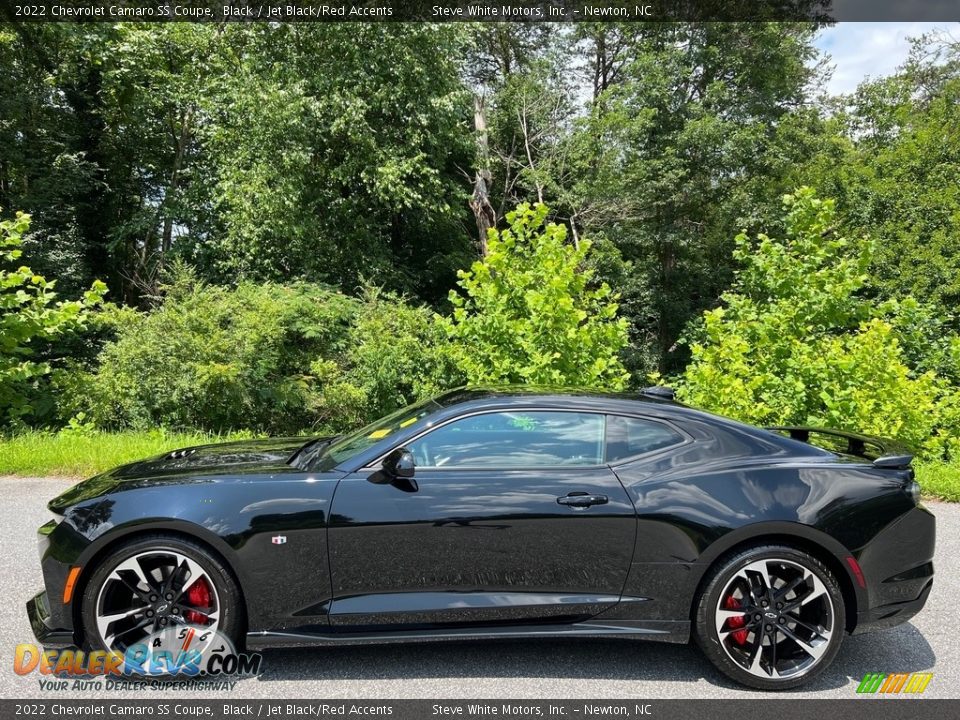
{"points": [[158, 585], [770, 617]]}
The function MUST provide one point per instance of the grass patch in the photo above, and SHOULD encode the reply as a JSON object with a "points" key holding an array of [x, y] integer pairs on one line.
{"points": [[82, 454], [939, 479]]}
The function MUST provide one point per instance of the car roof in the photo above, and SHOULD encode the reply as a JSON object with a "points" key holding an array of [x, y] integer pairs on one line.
{"points": [[471, 398], [473, 393]]}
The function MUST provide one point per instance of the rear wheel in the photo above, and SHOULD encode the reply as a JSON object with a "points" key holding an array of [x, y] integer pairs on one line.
{"points": [[157, 584], [770, 617]]}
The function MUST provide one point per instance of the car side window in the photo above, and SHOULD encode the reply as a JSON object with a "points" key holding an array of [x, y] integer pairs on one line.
{"points": [[628, 437], [514, 439]]}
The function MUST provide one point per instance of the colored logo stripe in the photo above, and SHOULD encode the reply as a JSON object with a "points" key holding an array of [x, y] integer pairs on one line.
{"points": [[918, 683], [893, 683], [871, 682]]}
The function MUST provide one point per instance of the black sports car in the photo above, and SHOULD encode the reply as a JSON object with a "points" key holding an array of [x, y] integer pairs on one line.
{"points": [[491, 513]]}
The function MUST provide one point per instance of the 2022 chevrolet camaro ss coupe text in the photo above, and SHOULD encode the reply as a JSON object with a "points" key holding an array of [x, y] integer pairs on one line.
{"points": [[510, 512]]}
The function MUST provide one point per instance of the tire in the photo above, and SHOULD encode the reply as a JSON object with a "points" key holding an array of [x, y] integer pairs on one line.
{"points": [[799, 629], [150, 553]]}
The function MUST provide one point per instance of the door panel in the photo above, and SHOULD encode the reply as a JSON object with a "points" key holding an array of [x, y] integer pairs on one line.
{"points": [[477, 545]]}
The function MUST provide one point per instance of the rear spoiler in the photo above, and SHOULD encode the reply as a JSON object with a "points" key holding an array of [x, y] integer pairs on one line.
{"points": [[883, 453]]}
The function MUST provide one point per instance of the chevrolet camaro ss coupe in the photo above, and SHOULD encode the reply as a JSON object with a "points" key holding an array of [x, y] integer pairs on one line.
{"points": [[504, 513]]}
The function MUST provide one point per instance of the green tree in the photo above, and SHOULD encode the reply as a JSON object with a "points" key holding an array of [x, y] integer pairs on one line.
{"points": [[99, 144], [323, 152], [336, 153], [895, 173], [796, 341], [529, 314], [29, 312], [686, 137]]}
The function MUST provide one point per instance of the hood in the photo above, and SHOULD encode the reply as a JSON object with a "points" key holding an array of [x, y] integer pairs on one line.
{"points": [[191, 464], [220, 457]]}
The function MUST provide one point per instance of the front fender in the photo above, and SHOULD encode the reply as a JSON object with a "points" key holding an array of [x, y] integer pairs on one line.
{"points": [[270, 532]]}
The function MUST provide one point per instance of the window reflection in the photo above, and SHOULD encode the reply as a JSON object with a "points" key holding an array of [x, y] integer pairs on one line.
{"points": [[628, 437], [514, 439]]}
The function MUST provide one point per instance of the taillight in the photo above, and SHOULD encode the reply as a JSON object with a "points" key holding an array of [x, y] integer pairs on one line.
{"points": [[912, 488]]}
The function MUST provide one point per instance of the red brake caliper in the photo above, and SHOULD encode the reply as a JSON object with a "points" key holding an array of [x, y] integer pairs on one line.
{"points": [[740, 636], [199, 596]]}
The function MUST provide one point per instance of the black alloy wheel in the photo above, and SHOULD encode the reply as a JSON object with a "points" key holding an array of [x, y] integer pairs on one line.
{"points": [[157, 584], [771, 617]]}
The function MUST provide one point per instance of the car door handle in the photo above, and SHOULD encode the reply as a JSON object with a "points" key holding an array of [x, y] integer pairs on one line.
{"points": [[582, 499]]}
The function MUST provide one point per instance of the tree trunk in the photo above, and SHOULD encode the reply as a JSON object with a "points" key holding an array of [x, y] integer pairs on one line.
{"points": [[180, 147], [483, 211]]}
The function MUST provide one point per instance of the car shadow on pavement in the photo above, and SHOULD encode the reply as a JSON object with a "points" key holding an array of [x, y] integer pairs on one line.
{"points": [[903, 649]]}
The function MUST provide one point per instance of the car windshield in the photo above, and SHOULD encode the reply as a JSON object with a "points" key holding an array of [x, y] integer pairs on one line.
{"points": [[347, 446]]}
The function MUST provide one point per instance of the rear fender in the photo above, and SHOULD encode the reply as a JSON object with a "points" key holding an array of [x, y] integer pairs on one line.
{"points": [[828, 550]]}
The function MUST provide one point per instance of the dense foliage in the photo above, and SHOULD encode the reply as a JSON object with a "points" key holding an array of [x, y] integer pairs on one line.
{"points": [[314, 151], [393, 354], [342, 163], [893, 164]]}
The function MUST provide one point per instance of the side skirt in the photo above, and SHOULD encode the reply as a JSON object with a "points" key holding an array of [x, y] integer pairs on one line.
{"points": [[659, 631]]}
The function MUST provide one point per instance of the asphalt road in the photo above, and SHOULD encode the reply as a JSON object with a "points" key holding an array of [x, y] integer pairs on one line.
{"points": [[505, 669]]}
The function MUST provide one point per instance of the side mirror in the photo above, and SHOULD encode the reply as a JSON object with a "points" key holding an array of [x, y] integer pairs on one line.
{"points": [[399, 464]]}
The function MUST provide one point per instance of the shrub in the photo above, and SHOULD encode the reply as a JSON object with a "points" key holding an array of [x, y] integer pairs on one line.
{"points": [[29, 313], [796, 343], [270, 358], [215, 358], [394, 354], [926, 338], [529, 314]]}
